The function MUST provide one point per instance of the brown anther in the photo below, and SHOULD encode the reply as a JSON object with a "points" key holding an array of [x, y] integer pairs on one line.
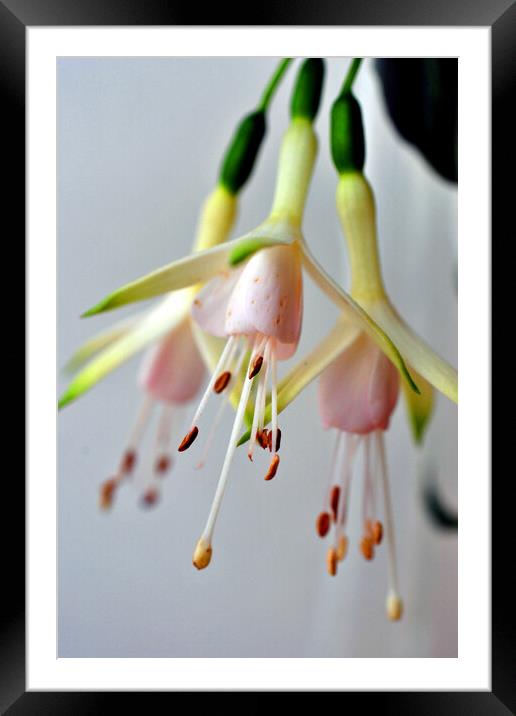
{"points": [[107, 490], [377, 531], [262, 438], [222, 382], [331, 561], [367, 547], [255, 368], [162, 464], [150, 497], [334, 501], [273, 467], [188, 439], [278, 440], [128, 462], [342, 548], [322, 524]]}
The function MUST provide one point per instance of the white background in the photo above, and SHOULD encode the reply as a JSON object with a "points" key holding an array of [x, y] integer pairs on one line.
{"points": [[139, 141]]}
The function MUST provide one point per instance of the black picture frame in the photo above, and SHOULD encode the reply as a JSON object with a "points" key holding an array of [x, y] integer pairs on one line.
{"points": [[15, 17]]}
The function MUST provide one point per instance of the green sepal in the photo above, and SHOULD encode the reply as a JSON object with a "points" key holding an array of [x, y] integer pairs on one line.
{"points": [[247, 248], [238, 162], [306, 96], [347, 134]]}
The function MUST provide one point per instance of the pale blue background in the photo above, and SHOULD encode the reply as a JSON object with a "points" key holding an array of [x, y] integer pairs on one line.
{"points": [[139, 143]]}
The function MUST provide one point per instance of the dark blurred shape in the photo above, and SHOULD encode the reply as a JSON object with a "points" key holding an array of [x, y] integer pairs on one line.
{"points": [[421, 98], [440, 516]]}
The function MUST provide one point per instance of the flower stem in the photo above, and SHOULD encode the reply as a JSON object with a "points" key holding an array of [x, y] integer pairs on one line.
{"points": [[352, 73], [273, 83]]}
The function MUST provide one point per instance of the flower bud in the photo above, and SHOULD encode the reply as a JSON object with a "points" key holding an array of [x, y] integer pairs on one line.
{"points": [[307, 91], [241, 154], [347, 134]]}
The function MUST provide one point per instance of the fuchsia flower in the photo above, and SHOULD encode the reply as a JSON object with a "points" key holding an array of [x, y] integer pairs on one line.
{"points": [[172, 369], [357, 395], [171, 375], [263, 314]]}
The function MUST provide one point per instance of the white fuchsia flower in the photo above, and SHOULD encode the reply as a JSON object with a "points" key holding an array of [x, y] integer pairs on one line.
{"points": [[359, 390], [253, 297], [172, 369]]}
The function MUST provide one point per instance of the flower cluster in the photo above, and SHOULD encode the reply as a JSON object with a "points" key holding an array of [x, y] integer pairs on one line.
{"points": [[239, 305]]}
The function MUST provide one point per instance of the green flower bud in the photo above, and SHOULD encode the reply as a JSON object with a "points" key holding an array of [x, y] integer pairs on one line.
{"points": [[238, 162], [347, 134], [307, 91]]}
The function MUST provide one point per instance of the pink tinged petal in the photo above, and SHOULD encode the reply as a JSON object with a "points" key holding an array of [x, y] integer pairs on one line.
{"points": [[172, 370], [268, 298], [210, 304], [359, 390]]}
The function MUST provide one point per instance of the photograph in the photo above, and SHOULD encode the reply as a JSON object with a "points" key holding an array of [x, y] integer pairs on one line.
{"points": [[257, 331]]}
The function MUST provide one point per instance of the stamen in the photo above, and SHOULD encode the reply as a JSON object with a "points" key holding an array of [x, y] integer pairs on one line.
{"points": [[377, 532], [368, 541], [255, 367], [222, 382], [107, 491], [331, 561], [188, 439], [150, 497], [394, 604], [235, 372], [322, 524], [262, 436], [273, 467], [334, 501], [128, 462], [163, 460], [367, 548], [278, 440], [219, 368], [342, 548], [274, 399], [259, 405], [162, 464], [202, 554]]}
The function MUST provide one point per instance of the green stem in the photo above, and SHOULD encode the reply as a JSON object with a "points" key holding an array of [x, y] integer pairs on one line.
{"points": [[352, 73], [273, 83]]}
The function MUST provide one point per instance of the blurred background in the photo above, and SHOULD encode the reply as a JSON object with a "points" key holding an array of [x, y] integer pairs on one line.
{"points": [[139, 146]]}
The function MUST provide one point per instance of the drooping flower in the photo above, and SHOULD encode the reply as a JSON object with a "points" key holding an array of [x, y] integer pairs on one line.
{"points": [[357, 395], [359, 390], [263, 267], [171, 375], [172, 369], [359, 386]]}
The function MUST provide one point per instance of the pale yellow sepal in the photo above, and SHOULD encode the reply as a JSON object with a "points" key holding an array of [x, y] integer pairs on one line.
{"points": [[189, 271], [99, 341], [162, 319], [217, 218], [357, 315], [417, 353]]}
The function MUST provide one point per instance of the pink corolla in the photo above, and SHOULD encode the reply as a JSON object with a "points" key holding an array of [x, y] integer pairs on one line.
{"points": [[357, 394], [171, 375], [359, 390]]}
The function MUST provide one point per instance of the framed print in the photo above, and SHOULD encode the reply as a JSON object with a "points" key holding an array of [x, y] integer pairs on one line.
{"points": [[127, 113]]}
